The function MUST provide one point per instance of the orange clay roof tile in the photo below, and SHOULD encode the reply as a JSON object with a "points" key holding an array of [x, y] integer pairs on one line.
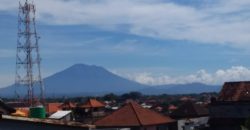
{"points": [[132, 114]]}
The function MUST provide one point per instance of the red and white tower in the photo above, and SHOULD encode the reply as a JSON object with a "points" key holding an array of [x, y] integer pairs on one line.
{"points": [[28, 73]]}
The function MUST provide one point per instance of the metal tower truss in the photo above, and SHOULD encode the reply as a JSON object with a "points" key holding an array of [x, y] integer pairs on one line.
{"points": [[28, 73]]}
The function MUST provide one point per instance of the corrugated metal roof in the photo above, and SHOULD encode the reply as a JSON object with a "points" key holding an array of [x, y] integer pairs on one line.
{"points": [[59, 114]]}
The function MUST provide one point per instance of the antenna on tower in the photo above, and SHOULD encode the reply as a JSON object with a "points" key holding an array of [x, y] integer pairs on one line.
{"points": [[28, 72]]}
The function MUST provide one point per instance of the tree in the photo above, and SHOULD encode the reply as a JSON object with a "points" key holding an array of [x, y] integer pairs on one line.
{"points": [[131, 95], [135, 95], [110, 97], [247, 124]]}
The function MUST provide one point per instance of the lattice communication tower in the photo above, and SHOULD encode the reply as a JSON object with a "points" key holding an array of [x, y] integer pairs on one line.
{"points": [[28, 73]]}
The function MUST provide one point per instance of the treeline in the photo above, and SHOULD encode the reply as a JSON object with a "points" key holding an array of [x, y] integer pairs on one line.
{"points": [[173, 99]]}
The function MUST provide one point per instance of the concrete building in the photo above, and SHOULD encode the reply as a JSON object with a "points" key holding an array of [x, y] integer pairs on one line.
{"points": [[67, 106], [90, 111], [190, 116], [231, 109], [22, 123]]}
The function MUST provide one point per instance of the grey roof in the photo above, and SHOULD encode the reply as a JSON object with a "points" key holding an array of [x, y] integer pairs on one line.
{"points": [[59, 115], [190, 110]]}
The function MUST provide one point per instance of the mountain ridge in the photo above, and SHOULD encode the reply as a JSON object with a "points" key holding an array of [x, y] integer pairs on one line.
{"points": [[82, 79]]}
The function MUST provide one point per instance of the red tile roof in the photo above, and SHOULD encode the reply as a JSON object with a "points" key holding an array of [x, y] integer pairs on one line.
{"points": [[67, 105], [235, 91], [132, 114], [93, 103], [172, 107], [53, 107]]}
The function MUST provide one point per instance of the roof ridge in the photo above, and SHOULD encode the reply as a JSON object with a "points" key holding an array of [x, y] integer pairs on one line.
{"points": [[136, 114], [90, 102]]}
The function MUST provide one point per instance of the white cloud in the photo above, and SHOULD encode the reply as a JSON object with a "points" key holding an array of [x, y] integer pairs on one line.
{"points": [[219, 22], [235, 73], [6, 5], [6, 80]]}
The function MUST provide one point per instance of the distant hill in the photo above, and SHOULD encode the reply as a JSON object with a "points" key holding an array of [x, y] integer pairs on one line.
{"points": [[88, 79], [181, 89], [82, 80]]}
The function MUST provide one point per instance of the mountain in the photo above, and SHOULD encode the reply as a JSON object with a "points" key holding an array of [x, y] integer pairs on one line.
{"points": [[181, 89], [82, 80], [88, 79]]}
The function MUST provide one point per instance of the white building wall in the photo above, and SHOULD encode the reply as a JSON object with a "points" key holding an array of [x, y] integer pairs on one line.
{"points": [[192, 123]]}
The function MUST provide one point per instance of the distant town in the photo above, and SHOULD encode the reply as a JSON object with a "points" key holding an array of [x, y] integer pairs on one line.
{"points": [[226, 110], [90, 97]]}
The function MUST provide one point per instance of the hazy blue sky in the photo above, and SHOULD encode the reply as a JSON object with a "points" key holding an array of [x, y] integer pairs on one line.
{"points": [[149, 41]]}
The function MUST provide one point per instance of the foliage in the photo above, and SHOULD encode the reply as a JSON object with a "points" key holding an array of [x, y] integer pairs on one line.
{"points": [[163, 100], [247, 123], [110, 97]]}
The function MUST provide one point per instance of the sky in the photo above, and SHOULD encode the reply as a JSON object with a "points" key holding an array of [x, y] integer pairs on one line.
{"points": [[153, 42]]}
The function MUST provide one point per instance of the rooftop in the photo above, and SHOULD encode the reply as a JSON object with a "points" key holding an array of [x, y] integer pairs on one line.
{"points": [[235, 91], [190, 109], [47, 121], [67, 105], [132, 114], [6, 108], [53, 107], [93, 103], [59, 115]]}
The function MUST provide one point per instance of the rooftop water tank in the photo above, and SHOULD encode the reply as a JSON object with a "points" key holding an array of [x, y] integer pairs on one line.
{"points": [[37, 112]]}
